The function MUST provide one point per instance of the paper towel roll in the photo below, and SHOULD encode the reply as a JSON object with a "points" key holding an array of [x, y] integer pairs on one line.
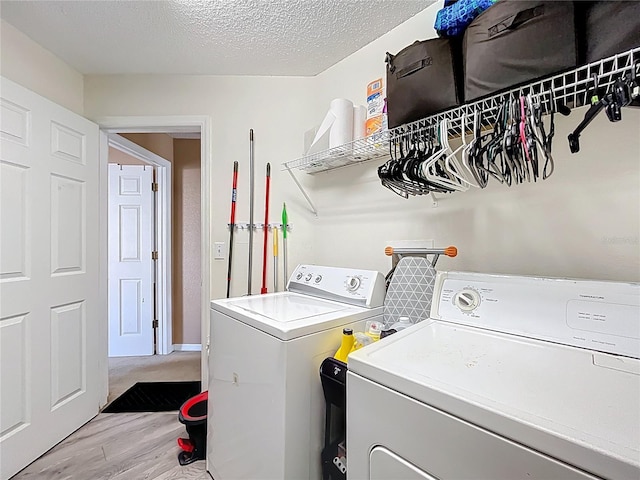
{"points": [[338, 122], [359, 122], [342, 129]]}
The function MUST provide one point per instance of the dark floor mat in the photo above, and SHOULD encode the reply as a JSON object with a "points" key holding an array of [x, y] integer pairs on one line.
{"points": [[154, 397]]}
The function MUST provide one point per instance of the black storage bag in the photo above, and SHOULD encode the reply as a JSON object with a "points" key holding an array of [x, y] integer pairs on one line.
{"points": [[422, 79], [514, 42], [607, 28]]}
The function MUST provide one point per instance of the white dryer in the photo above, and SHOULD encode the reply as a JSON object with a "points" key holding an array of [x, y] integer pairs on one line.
{"points": [[266, 406], [511, 378]]}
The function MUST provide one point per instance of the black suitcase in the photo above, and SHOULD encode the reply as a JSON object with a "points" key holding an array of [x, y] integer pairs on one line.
{"points": [[422, 79], [514, 42], [607, 28]]}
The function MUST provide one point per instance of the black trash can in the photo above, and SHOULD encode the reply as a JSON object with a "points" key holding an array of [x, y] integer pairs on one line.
{"points": [[333, 375], [193, 414]]}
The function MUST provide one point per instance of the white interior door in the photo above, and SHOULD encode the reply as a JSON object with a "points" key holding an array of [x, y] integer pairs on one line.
{"points": [[130, 262], [49, 315]]}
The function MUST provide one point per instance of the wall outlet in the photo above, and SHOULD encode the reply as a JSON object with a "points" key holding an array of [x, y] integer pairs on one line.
{"points": [[218, 251]]}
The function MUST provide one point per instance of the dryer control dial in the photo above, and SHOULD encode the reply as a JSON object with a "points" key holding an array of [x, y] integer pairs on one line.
{"points": [[467, 300], [352, 283]]}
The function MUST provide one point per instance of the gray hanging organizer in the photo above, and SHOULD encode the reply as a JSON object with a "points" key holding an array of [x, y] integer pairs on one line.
{"points": [[410, 291]]}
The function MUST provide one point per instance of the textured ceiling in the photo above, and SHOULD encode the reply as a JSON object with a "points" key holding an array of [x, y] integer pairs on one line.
{"points": [[214, 37]]}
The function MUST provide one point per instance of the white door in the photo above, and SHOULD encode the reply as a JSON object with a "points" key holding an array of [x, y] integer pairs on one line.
{"points": [[130, 264], [49, 315]]}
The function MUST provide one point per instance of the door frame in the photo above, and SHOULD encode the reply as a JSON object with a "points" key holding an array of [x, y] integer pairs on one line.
{"points": [[162, 227], [159, 124]]}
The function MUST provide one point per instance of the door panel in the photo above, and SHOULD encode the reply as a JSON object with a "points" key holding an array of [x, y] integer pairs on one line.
{"points": [[49, 315], [13, 349], [68, 378], [130, 263], [14, 215], [67, 225]]}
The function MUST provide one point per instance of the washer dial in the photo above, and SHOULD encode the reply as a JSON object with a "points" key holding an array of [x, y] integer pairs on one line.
{"points": [[467, 300], [352, 283]]}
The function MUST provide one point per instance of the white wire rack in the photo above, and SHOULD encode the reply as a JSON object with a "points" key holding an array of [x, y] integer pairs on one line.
{"points": [[571, 88], [362, 150]]}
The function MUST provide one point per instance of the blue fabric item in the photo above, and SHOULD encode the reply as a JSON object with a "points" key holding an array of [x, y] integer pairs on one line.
{"points": [[452, 20]]}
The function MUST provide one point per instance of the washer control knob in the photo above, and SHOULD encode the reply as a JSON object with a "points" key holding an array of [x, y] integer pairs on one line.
{"points": [[318, 279], [308, 277], [467, 300], [298, 276], [352, 283]]}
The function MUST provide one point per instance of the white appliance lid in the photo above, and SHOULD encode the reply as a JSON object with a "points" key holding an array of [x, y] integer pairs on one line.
{"points": [[574, 404], [287, 308], [288, 315]]}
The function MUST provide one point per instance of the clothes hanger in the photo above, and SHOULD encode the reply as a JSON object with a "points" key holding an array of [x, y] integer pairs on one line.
{"points": [[480, 175], [490, 151], [598, 102], [434, 169], [454, 165], [511, 145], [543, 141], [522, 132], [548, 139], [467, 161], [496, 150], [530, 132], [511, 165]]}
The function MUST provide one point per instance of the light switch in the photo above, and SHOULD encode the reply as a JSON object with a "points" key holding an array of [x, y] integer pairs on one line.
{"points": [[218, 250]]}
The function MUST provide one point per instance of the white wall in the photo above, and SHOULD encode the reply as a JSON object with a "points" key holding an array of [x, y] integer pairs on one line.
{"points": [[273, 106], [584, 221], [30, 65]]}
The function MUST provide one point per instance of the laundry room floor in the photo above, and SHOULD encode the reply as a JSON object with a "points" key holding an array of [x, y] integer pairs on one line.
{"points": [[126, 446]]}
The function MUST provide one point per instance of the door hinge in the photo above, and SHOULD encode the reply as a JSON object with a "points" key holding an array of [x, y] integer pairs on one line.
{"points": [[155, 324], [154, 187], [154, 255]]}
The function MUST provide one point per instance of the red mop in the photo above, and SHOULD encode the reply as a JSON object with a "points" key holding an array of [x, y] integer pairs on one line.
{"points": [[266, 231], [232, 225]]}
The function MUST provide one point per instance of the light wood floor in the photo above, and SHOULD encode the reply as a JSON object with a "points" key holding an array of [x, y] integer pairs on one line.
{"points": [[126, 446]]}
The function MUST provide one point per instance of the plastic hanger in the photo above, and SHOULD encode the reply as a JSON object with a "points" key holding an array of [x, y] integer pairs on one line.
{"points": [[467, 161], [456, 166], [430, 166], [480, 175]]}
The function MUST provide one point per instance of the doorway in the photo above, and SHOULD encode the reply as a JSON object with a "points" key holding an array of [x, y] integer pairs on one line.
{"points": [[178, 127], [140, 253]]}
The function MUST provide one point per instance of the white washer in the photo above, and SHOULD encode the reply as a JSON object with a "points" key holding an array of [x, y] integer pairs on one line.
{"points": [[266, 406], [511, 378]]}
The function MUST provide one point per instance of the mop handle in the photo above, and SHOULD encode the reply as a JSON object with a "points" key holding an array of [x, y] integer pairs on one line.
{"points": [[232, 222], [275, 258], [285, 222], [265, 230], [251, 188]]}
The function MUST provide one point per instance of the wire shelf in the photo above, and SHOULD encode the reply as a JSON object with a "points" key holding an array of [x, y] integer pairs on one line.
{"points": [[362, 150], [571, 88]]}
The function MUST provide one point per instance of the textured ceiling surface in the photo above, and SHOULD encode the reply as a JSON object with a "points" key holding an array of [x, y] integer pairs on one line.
{"points": [[214, 37]]}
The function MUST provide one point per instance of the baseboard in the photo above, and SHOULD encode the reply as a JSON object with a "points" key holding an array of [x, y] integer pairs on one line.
{"points": [[187, 347]]}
